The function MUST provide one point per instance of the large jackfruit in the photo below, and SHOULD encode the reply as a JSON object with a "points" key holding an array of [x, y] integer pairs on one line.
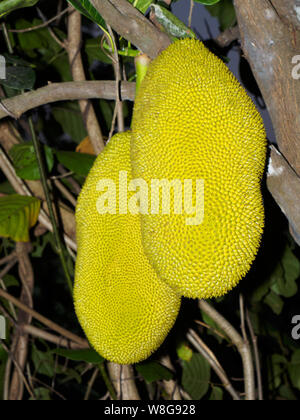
{"points": [[194, 121], [125, 310]]}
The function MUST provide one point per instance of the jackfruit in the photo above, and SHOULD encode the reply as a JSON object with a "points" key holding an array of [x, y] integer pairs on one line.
{"points": [[194, 122], [125, 310]]}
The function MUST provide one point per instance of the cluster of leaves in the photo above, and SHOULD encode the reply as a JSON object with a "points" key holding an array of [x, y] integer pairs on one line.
{"points": [[270, 290]]}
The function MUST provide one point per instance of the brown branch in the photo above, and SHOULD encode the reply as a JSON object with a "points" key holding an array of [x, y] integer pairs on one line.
{"points": [[228, 36], [256, 357], [171, 387], [11, 356], [59, 341], [78, 73], [20, 339], [270, 46], [68, 91], [45, 321], [41, 26], [122, 377], [284, 185], [118, 76], [241, 345], [8, 258], [196, 341], [287, 11], [21, 188], [128, 22]]}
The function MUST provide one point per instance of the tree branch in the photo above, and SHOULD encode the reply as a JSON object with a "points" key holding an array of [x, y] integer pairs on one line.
{"points": [[80, 341], [196, 341], [270, 45], [284, 185], [132, 25], [242, 346], [77, 70], [67, 91]]}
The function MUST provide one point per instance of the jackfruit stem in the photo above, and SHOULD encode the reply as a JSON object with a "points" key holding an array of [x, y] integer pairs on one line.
{"points": [[142, 63]]}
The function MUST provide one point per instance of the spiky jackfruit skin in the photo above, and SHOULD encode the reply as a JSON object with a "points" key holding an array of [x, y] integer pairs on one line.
{"points": [[125, 310], [193, 120]]}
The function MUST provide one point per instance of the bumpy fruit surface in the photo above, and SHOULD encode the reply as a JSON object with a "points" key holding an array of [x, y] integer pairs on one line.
{"points": [[194, 121], [125, 310]]}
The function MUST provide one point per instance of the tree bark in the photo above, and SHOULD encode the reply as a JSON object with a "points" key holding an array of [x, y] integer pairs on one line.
{"points": [[270, 46]]}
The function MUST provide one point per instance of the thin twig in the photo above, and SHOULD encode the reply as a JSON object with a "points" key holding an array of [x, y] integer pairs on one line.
{"points": [[196, 341], [65, 333], [192, 4], [21, 188], [242, 346], [65, 192], [107, 381], [58, 242], [256, 357], [19, 339], [242, 313], [118, 73], [42, 25], [91, 384], [59, 341], [18, 368], [62, 44], [78, 74], [8, 258]]}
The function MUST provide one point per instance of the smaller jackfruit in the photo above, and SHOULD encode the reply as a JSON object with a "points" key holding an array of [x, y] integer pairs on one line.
{"points": [[193, 123], [125, 310]]}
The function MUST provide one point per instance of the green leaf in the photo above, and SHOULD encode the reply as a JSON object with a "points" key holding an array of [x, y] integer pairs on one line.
{"points": [[69, 117], [209, 321], [8, 6], [294, 369], [216, 394], [10, 281], [278, 367], [223, 10], [142, 5], [41, 394], [287, 393], [80, 163], [94, 51], [43, 362], [86, 355], [274, 302], [207, 2], [25, 161], [196, 376], [153, 371], [89, 11], [286, 274], [184, 352], [17, 215], [171, 24], [19, 78]]}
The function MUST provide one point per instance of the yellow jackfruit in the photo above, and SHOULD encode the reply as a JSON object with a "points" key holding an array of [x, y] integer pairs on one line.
{"points": [[125, 310], [194, 121]]}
